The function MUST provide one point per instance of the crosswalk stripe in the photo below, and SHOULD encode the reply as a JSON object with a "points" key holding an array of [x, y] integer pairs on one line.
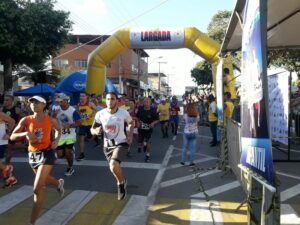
{"points": [[290, 192], [288, 175], [66, 208], [175, 166], [185, 178], [99, 163], [134, 211], [12, 199], [218, 190], [201, 215], [288, 215]]}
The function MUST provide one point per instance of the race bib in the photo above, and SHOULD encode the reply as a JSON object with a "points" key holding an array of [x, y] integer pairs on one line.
{"points": [[145, 126], [36, 157]]}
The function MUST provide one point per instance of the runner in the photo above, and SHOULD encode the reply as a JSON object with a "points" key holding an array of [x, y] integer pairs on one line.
{"points": [[164, 115], [87, 111], [40, 151], [174, 115], [13, 112], [111, 121], [6, 171], [68, 119], [147, 119]]}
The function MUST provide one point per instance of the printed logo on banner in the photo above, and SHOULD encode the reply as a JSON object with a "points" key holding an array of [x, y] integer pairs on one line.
{"points": [[79, 85], [157, 38], [255, 141]]}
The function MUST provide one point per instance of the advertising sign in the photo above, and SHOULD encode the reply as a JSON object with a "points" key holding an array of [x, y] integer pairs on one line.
{"points": [[278, 86], [256, 144], [157, 38]]}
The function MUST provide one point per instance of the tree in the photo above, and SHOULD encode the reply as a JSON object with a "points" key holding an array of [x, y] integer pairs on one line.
{"points": [[30, 33], [202, 73], [218, 25], [289, 59]]}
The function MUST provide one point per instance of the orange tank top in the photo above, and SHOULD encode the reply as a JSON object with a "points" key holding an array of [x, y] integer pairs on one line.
{"points": [[42, 131]]}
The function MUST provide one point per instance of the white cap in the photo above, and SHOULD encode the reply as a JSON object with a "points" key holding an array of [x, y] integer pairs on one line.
{"points": [[163, 99], [38, 98], [62, 96]]}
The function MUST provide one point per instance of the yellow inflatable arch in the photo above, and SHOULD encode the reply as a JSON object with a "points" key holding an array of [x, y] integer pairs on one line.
{"points": [[167, 38]]}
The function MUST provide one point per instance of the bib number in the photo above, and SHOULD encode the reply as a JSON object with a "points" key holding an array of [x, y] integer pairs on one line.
{"points": [[36, 157], [145, 126], [65, 131]]}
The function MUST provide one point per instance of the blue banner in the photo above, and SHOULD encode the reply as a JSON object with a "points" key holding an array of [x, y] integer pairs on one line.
{"points": [[219, 92], [256, 144]]}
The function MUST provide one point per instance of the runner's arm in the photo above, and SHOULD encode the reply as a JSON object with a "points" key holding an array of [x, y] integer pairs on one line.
{"points": [[10, 122], [57, 133], [17, 131]]}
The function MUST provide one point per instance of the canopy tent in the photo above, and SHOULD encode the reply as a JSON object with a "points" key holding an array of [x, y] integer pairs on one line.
{"points": [[40, 89], [283, 22], [75, 83]]}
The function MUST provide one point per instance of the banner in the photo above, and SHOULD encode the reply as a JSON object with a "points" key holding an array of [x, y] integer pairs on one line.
{"points": [[157, 38], [278, 86], [219, 92], [255, 141]]}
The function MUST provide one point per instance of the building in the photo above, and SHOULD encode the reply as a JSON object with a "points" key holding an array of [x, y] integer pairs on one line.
{"points": [[153, 80], [128, 71]]}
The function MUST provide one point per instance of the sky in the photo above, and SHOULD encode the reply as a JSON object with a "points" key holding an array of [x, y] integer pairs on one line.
{"points": [[104, 17]]}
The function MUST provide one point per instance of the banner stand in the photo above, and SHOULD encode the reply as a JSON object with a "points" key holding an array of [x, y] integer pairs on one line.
{"points": [[263, 200]]}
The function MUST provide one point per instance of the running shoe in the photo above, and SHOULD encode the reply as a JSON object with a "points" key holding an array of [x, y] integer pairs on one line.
{"points": [[192, 165], [7, 172], [60, 188], [69, 171], [81, 157], [147, 158], [10, 181], [122, 190]]}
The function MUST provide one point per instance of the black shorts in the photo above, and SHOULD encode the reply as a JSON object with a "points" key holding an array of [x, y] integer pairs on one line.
{"points": [[162, 122], [144, 136], [85, 131], [2, 150], [64, 147], [117, 152], [43, 157]]}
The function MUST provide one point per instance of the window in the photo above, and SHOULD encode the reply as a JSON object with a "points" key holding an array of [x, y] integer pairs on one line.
{"points": [[108, 65], [81, 63], [61, 63]]}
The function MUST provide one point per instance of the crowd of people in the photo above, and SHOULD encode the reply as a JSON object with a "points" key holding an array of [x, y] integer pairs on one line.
{"points": [[111, 121]]}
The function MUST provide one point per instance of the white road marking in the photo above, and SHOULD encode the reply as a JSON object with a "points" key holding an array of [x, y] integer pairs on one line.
{"points": [[290, 192], [67, 208], [199, 135], [133, 212], [186, 178], [14, 198], [201, 215], [288, 175], [174, 166], [99, 163], [218, 190], [288, 216], [150, 199], [174, 138]]}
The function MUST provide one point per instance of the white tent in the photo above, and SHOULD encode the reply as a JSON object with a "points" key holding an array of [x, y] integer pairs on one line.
{"points": [[283, 25]]}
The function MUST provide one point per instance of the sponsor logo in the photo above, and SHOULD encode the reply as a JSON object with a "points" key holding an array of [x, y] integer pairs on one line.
{"points": [[79, 85], [155, 36]]}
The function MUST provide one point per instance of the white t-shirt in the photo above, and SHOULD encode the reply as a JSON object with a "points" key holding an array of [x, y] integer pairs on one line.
{"points": [[191, 124], [113, 125], [67, 116], [2, 134]]}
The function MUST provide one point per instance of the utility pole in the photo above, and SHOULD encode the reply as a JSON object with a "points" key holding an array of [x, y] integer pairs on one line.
{"points": [[120, 76], [139, 69], [159, 77]]}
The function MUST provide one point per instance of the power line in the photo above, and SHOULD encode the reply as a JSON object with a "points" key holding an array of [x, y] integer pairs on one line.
{"points": [[121, 25]]}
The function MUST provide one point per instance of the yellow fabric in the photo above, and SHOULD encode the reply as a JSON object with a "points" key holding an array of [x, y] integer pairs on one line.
{"points": [[228, 111], [211, 115], [86, 114], [164, 111]]}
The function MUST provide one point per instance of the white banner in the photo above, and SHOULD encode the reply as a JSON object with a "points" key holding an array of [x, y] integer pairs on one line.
{"points": [[157, 38], [279, 106]]}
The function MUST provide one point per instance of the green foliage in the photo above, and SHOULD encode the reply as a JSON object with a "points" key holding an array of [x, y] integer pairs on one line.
{"points": [[218, 25], [289, 59], [31, 31], [202, 75]]}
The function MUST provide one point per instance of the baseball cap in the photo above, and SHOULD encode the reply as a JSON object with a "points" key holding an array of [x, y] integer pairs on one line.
{"points": [[163, 99], [38, 98], [62, 96]]}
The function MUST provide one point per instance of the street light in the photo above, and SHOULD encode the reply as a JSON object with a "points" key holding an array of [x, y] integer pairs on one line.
{"points": [[159, 62]]}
